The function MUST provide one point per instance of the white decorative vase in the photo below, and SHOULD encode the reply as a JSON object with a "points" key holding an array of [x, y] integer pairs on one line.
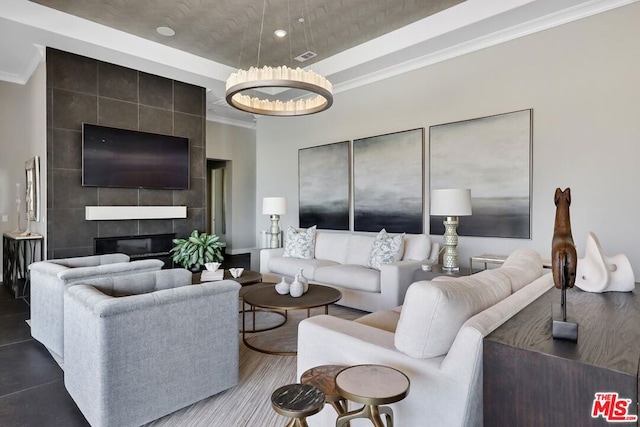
{"points": [[283, 287], [303, 280], [297, 288]]}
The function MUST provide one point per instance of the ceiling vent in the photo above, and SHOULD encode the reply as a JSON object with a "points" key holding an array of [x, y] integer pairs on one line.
{"points": [[305, 56]]}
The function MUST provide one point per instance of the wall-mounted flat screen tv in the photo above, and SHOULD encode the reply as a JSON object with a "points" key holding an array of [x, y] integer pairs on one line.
{"points": [[114, 157]]}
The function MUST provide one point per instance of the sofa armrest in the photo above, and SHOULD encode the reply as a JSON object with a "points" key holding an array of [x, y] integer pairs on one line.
{"points": [[48, 268], [266, 255], [396, 277], [327, 339]]}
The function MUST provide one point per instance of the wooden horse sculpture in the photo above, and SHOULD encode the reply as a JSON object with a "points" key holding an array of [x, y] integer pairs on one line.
{"points": [[564, 259]]}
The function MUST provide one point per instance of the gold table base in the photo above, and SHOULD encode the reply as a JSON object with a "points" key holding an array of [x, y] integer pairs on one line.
{"points": [[371, 412]]}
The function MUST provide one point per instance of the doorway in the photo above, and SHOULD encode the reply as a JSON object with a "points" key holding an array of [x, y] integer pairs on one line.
{"points": [[217, 197]]}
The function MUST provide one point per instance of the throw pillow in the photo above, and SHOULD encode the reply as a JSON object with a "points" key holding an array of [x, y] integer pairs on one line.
{"points": [[385, 250], [300, 243]]}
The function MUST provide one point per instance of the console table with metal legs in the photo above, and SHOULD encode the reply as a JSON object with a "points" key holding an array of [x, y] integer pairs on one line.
{"points": [[18, 252]]}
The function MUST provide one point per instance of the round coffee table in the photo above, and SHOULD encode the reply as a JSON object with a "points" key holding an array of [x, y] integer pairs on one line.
{"points": [[371, 385], [267, 298]]}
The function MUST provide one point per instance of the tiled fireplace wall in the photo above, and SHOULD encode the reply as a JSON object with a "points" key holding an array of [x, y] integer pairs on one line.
{"points": [[81, 89]]}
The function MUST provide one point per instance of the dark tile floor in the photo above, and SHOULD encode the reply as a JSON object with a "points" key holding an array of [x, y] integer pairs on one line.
{"points": [[32, 392]]}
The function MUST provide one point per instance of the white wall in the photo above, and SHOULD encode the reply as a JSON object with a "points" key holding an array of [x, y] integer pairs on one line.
{"points": [[236, 145], [22, 135], [581, 80]]}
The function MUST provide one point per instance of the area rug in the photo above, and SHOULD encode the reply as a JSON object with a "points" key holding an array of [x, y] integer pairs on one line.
{"points": [[249, 403]]}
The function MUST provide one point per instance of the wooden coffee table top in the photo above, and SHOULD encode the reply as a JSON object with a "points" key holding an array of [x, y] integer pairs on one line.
{"points": [[267, 297], [248, 277]]}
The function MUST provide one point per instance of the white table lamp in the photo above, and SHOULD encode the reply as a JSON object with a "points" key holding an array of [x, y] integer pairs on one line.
{"points": [[274, 206], [451, 203]]}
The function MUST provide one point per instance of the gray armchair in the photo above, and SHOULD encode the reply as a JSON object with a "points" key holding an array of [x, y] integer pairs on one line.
{"points": [[50, 279], [132, 359]]}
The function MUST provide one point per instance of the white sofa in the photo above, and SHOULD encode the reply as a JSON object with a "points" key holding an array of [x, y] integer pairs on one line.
{"points": [[435, 338], [341, 262]]}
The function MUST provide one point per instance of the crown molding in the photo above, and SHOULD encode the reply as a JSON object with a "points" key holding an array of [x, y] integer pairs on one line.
{"points": [[536, 25], [23, 77]]}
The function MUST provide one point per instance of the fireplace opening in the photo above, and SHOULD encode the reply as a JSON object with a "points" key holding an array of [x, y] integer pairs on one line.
{"points": [[149, 246]]}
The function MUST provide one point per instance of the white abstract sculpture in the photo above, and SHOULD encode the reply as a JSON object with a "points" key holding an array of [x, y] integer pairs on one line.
{"points": [[597, 272]]}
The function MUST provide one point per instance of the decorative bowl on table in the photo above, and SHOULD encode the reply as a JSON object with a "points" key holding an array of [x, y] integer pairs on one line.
{"points": [[212, 266], [236, 272]]}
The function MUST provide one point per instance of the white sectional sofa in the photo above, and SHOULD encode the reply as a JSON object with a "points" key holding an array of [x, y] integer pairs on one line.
{"points": [[435, 338], [340, 261]]}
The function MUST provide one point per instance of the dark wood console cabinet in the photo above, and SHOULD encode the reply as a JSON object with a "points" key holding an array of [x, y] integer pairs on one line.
{"points": [[530, 379]]}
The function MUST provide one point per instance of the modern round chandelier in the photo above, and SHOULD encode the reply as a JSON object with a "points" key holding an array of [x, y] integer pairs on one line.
{"points": [[268, 78], [278, 91]]}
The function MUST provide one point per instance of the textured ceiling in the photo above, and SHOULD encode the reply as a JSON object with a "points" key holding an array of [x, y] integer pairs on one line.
{"points": [[228, 31]]}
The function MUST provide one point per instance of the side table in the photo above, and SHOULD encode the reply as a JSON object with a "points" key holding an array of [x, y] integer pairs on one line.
{"points": [[18, 252], [371, 385], [297, 401], [324, 378]]}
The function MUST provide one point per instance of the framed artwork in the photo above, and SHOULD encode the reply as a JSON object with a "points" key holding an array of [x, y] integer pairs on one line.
{"points": [[388, 182], [324, 186], [32, 199], [492, 157]]}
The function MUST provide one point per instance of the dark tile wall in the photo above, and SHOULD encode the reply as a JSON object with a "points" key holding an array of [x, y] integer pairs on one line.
{"points": [[81, 89]]}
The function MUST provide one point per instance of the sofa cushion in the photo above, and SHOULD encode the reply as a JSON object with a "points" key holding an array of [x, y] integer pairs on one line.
{"points": [[417, 247], [350, 276], [386, 249], [141, 283], [522, 266], [332, 246], [292, 266], [359, 249], [387, 320], [300, 243], [433, 312]]}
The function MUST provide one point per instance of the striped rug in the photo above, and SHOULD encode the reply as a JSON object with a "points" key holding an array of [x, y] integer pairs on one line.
{"points": [[249, 403]]}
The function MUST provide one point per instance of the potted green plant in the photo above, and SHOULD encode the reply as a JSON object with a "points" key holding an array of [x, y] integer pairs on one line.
{"points": [[196, 250]]}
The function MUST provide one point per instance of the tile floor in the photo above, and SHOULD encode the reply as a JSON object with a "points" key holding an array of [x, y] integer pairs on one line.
{"points": [[32, 392]]}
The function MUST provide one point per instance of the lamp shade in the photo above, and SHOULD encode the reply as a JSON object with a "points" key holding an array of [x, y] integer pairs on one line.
{"points": [[451, 202], [274, 206]]}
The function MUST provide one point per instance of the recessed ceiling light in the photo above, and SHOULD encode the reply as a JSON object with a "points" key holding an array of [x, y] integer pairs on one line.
{"points": [[280, 33], [166, 31]]}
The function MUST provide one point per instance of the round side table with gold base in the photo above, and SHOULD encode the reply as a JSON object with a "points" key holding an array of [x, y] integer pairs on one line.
{"points": [[324, 377], [371, 385], [297, 401]]}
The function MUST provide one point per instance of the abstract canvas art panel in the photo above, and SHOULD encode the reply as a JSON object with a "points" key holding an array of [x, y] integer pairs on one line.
{"points": [[388, 182], [324, 186], [492, 157]]}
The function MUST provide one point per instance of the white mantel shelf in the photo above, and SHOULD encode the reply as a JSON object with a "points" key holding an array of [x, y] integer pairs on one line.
{"points": [[98, 213]]}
